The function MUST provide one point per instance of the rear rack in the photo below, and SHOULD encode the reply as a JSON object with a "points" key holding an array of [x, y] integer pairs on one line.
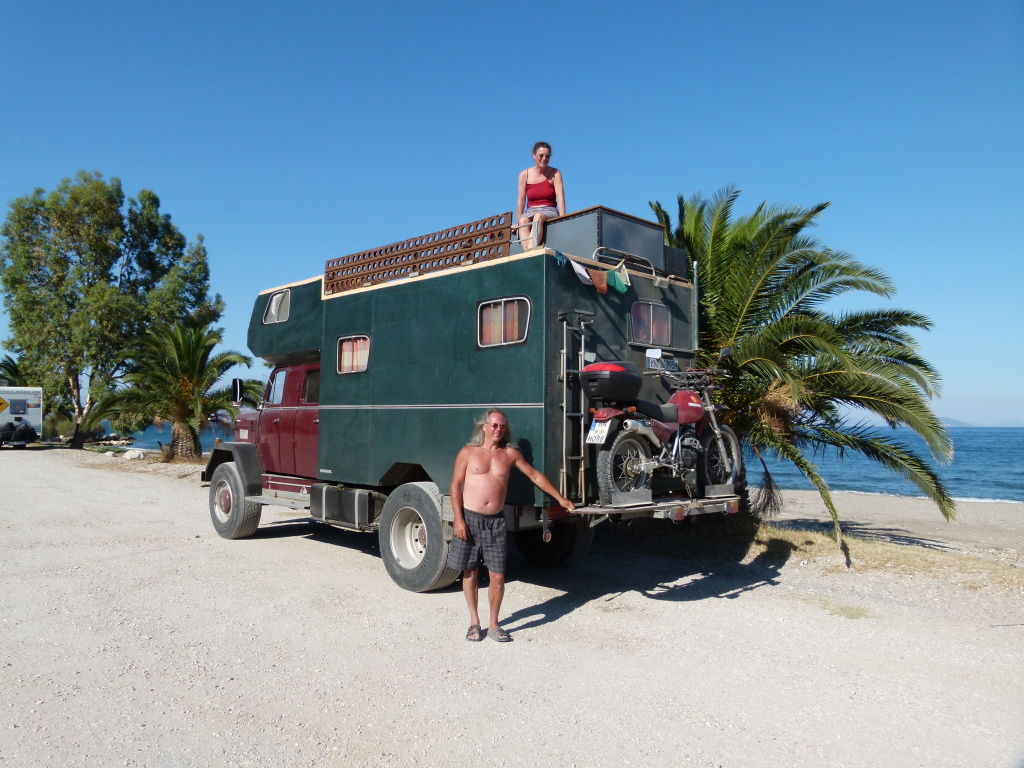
{"points": [[669, 509]]}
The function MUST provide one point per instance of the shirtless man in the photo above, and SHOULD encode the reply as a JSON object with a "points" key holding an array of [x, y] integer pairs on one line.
{"points": [[478, 500]]}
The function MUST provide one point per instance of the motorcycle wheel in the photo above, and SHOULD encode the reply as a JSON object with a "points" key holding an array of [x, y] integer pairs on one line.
{"points": [[618, 466], [710, 466]]}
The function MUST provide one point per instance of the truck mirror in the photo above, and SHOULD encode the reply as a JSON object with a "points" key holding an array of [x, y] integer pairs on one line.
{"points": [[236, 392]]}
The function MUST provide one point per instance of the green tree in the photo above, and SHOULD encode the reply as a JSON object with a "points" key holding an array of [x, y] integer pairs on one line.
{"points": [[173, 379], [803, 379], [83, 275]]}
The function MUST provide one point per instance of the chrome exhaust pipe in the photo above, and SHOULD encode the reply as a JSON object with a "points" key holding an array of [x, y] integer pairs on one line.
{"points": [[631, 425]]}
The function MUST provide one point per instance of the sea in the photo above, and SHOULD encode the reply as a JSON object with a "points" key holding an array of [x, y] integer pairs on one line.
{"points": [[152, 436], [988, 464]]}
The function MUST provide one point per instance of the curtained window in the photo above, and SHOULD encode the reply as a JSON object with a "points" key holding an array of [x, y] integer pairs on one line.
{"points": [[503, 321], [652, 324], [353, 354]]}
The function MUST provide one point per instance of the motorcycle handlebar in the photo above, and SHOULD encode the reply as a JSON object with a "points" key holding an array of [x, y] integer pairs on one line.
{"points": [[692, 375]]}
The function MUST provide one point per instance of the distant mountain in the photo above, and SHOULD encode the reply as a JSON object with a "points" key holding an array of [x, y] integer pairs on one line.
{"points": [[955, 422], [1012, 424]]}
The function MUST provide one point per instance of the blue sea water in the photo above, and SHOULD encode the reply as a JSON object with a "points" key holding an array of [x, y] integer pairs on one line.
{"points": [[151, 437], [988, 464]]}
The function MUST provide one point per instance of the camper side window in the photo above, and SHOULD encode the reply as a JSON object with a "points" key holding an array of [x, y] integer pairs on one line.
{"points": [[503, 321], [353, 354], [652, 324], [277, 307]]}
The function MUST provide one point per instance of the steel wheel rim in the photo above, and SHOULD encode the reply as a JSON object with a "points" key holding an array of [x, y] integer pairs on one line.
{"points": [[408, 538], [626, 466], [716, 467], [224, 501]]}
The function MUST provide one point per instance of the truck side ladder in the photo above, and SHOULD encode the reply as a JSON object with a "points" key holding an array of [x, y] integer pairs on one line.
{"points": [[574, 402]]}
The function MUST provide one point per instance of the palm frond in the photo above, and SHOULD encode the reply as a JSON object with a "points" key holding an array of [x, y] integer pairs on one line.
{"points": [[798, 371]]}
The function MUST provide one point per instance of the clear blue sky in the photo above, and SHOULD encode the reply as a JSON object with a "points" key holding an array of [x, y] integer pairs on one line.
{"points": [[288, 134]]}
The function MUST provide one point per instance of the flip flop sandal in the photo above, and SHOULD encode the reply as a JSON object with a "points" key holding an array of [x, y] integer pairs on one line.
{"points": [[475, 634], [500, 635]]}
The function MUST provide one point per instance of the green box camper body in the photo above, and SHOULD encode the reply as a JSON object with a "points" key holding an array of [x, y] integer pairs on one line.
{"points": [[428, 378], [384, 363]]}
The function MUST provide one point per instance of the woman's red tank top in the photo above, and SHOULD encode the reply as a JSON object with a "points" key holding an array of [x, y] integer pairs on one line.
{"points": [[541, 195]]}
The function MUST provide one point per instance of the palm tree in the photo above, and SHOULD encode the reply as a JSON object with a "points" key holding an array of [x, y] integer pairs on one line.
{"points": [[10, 369], [803, 379], [174, 379]]}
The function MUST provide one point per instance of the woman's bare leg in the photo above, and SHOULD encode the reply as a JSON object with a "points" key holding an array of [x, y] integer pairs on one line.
{"points": [[526, 239]]}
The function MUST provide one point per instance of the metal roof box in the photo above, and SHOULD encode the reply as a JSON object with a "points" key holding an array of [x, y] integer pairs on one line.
{"points": [[583, 232]]}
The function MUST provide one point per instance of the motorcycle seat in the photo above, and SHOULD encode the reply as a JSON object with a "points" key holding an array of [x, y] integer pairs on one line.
{"points": [[667, 413]]}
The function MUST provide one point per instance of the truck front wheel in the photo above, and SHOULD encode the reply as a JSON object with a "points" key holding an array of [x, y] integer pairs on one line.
{"points": [[233, 517], [412, 541]]}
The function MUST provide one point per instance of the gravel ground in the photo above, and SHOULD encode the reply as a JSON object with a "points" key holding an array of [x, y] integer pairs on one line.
{"points": [[132, 635]]}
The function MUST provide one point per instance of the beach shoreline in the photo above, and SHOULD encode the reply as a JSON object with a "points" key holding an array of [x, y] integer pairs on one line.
{"points": [[989, 529], [992, 530]]}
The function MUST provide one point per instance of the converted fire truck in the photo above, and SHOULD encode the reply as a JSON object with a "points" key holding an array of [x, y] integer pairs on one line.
{"points": [[384, 362]]}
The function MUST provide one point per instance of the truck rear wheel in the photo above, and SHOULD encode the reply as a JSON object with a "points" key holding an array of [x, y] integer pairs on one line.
{"points": [[569, 543], [233, 517], [412, 541]]}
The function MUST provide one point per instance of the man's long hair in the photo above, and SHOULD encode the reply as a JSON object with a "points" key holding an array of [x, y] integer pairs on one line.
{"points": [[481, 422]]}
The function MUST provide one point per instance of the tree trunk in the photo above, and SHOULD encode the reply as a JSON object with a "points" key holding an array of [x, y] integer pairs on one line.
{"points": [[81, 416], [78, 438], [182, 443]]}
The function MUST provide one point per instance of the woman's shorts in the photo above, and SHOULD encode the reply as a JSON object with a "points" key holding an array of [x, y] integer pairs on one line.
{"points": [[546, 212], [486, 538]]}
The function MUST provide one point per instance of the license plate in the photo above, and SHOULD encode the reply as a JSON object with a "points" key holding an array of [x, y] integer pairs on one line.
{"points": [[598, 432]]}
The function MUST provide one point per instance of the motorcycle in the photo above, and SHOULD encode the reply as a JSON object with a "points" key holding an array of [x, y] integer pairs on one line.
{"points": [[681, 439]]}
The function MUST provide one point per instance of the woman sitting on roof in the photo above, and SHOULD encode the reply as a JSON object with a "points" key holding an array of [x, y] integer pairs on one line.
{"points": [[539, 189]]}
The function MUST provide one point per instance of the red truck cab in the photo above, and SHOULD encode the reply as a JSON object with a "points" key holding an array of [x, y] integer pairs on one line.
{"points": [[286, 427]]}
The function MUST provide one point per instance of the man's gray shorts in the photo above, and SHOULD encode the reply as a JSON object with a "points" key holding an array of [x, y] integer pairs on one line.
{"points": [[486, 539]]}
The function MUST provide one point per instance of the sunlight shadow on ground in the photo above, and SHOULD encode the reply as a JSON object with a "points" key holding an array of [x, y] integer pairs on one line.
{"points": [[865, 531], [615, 568], [319, 532]]}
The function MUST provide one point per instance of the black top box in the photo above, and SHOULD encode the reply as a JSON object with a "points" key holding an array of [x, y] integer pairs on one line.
{"points": [[612, 385]]}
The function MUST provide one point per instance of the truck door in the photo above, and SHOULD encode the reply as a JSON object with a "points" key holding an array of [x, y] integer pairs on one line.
{"points": [[277, 422], [307, 424]]}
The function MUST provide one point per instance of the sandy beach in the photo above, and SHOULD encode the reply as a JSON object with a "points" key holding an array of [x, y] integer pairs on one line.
{"points": [[990, 530], [133, 635]]}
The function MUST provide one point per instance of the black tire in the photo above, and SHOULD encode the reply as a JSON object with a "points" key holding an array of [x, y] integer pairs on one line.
{"points": [[617, 465], [233, 517], [711, 468], [412, 541], [569, 543]]}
